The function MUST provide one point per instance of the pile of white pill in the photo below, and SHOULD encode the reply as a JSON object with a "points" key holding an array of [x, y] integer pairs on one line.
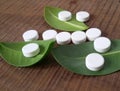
{"points": [[62, 38], [93, 61], [30, 49], [81, 16]]}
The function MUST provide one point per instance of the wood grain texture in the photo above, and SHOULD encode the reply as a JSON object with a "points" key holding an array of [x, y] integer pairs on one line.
{"points": [[17, 16]]}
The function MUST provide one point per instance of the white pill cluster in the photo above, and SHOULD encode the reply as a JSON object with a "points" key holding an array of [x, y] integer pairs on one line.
{"points": [[81, 16], [30, 49], [63, 38], [93, 61]]}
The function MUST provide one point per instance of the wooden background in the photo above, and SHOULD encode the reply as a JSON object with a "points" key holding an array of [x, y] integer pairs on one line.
{"points": [[17, 16]]}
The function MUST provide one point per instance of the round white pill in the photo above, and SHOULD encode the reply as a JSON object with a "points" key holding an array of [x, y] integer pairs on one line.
{"points": [[94, 61], [49, 34], [82, 16], [78, 37], [102, 44], [30, 50], [64, 15], [93, 33], [63, 38], [30, 35]]}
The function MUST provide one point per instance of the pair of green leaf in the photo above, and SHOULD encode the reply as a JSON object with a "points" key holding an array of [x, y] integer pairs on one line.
{"points": [[71, 57], [12, 52]]}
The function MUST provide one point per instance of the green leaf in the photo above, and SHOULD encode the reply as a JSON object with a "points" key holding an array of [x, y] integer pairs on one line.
{"points": [[72, 57], [51, 17], [12, 52]]}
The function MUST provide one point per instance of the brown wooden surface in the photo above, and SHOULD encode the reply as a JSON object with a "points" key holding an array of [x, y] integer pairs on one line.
{"points": [[17, 16]]}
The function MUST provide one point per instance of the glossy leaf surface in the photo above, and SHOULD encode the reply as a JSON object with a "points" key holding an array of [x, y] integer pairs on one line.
{"points": [[51, 17], [72, 57], [12, 53]]}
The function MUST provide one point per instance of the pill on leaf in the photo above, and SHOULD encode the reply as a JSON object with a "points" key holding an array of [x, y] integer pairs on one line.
{"points": [[30, 50], [102, 44], [30, 35], [94, 61], [64, 15], [63, 38], [49, 34], [82, 16], [78, 37], [93, 33]]}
